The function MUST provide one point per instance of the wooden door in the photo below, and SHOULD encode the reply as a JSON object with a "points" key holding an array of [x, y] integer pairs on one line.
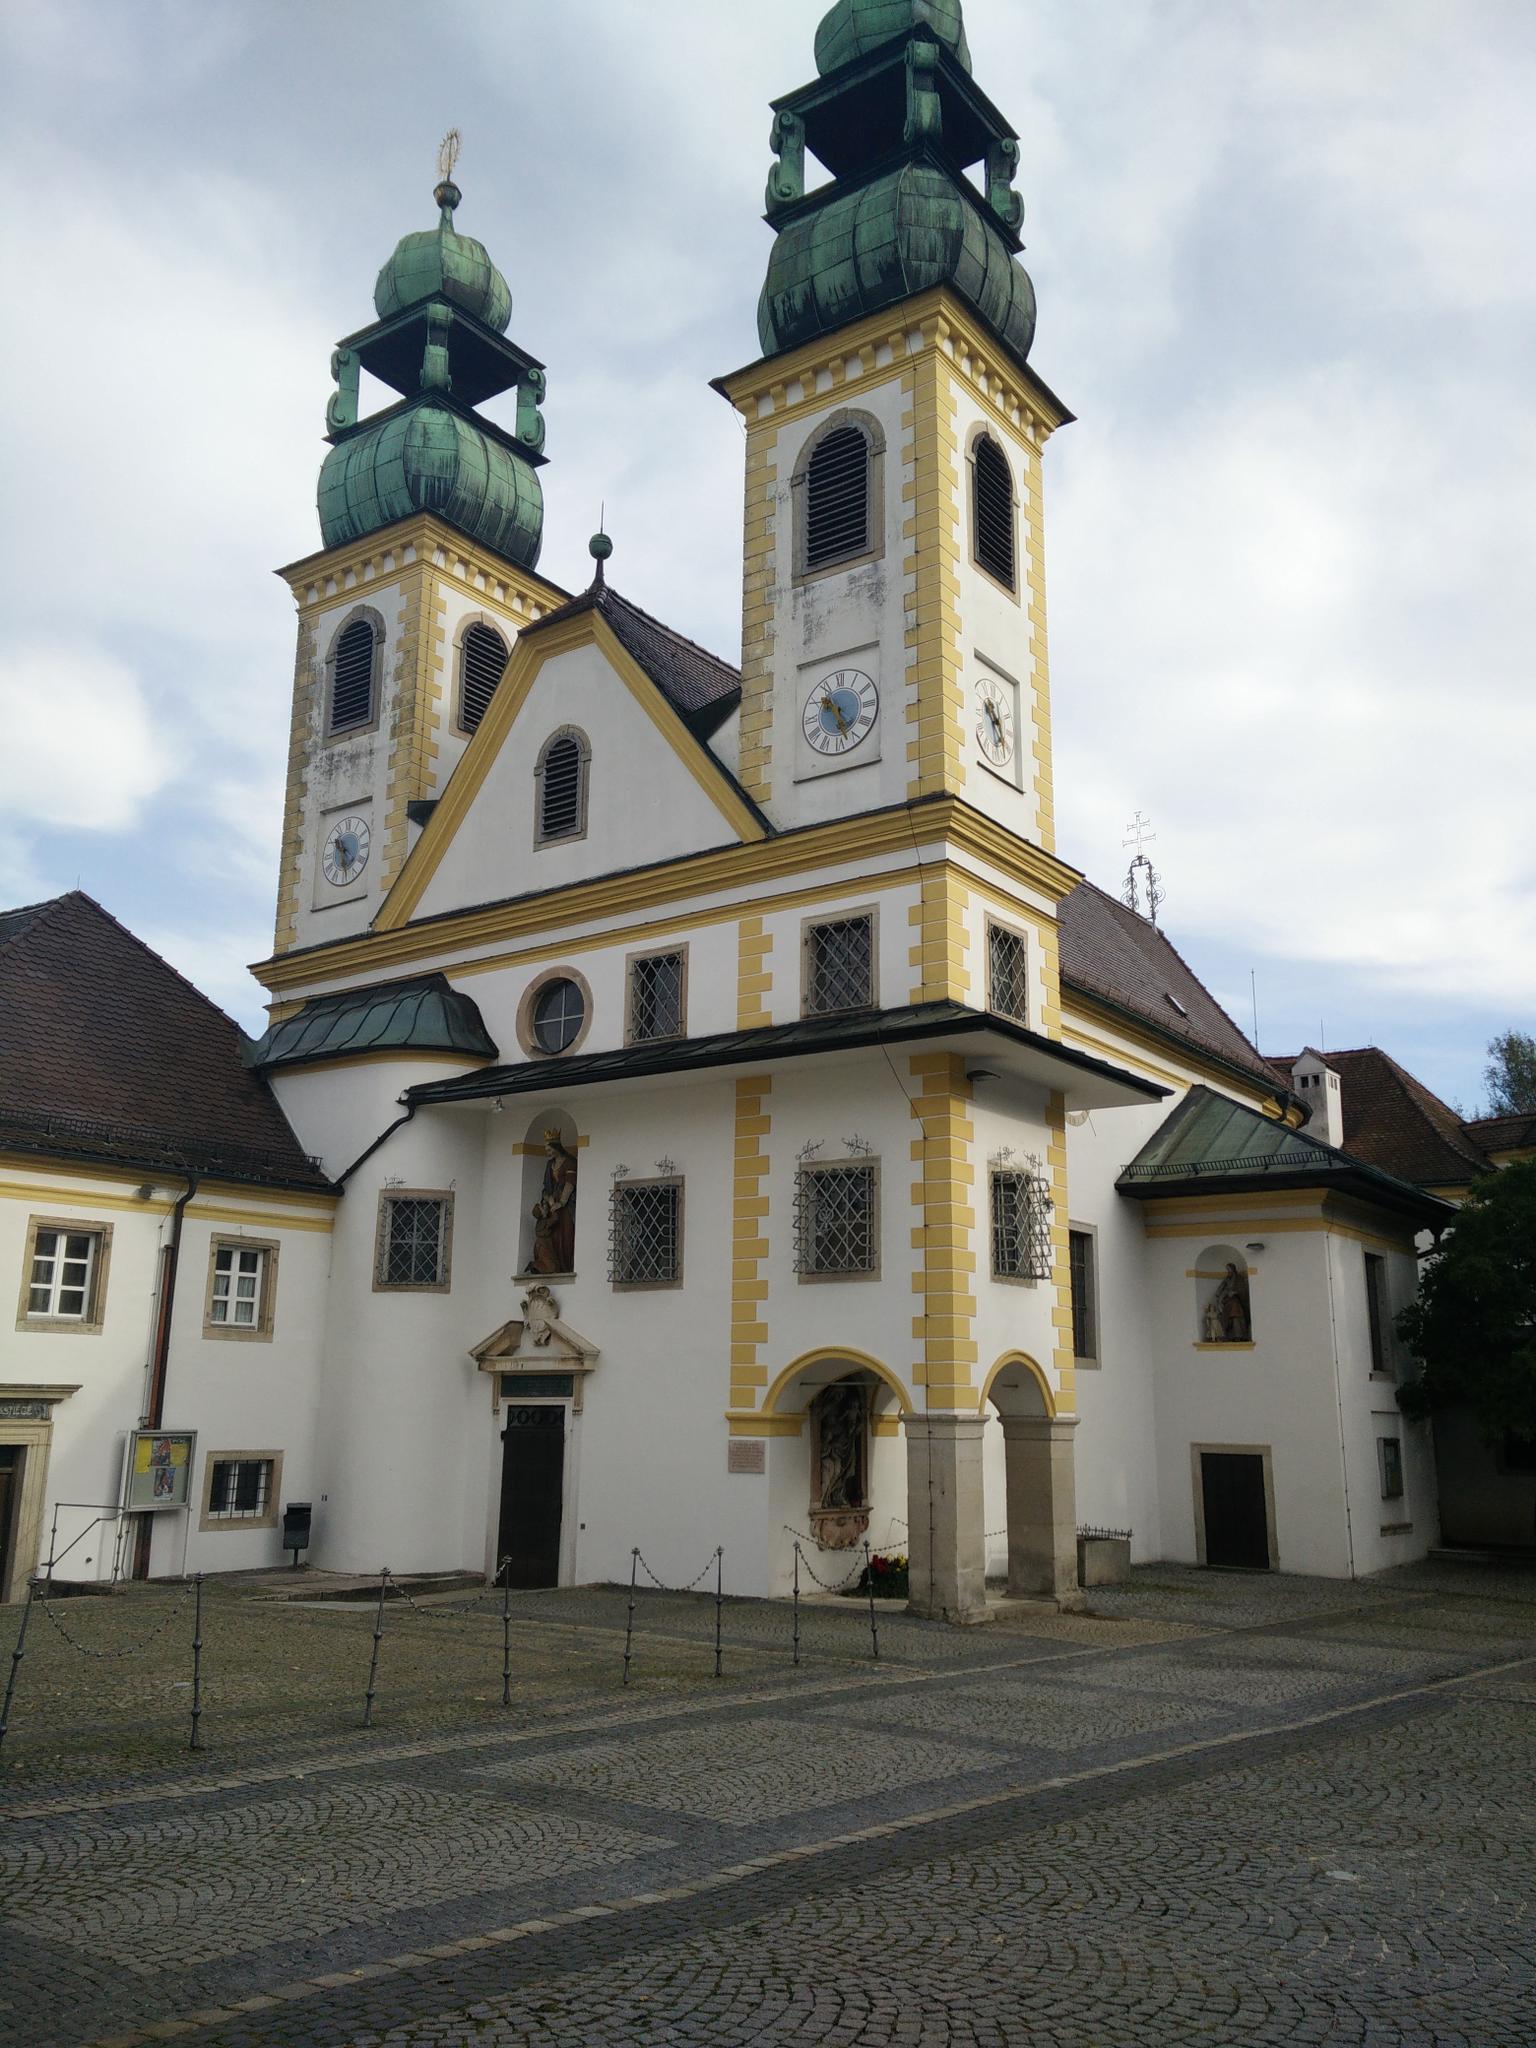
{"points": [[532, 1486], [1236, 1517], [10, 1493]]}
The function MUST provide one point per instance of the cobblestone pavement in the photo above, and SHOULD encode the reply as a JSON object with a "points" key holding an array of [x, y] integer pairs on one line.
{"points": [[1219, 1810]]}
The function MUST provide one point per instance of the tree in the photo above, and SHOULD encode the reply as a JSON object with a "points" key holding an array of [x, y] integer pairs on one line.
{"points": [[1473, 1327], [1510, 1075]]}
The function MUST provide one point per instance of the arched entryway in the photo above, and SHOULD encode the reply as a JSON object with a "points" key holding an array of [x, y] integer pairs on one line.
{"points": [[837, 1462], [1040, 1490]]}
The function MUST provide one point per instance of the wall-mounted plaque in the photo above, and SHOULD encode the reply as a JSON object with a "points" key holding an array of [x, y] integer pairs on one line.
{"points": [[746, 1454]]}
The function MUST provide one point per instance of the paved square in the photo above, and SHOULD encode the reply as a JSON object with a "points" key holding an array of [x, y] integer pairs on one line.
{"points": [[1231, 1811]]}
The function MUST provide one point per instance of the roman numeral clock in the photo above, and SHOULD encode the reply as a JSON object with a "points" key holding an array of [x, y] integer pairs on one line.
{"points": [[840, 711]]}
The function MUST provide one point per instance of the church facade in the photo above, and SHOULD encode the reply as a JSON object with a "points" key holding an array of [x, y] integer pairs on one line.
{"points": [[738, 1124]]}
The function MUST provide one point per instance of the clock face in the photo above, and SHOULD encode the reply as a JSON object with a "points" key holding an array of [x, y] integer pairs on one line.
{"points": [[840, 711], [346, 851], [994, 722]]}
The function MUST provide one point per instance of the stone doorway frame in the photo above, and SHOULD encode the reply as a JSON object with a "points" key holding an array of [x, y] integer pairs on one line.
{"points": [[26, 1420]]}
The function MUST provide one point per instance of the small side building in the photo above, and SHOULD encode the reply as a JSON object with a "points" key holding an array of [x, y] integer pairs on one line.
{"points": [[172, 1245]]}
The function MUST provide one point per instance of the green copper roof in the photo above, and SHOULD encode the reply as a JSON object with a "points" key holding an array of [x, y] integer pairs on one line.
{"points": [[1211, 1142], [425, 457], [425, 1015], [438, 263], [855, 27], [903, 233]]}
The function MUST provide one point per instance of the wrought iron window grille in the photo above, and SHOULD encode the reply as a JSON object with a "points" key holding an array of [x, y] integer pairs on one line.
{"points": [[839, 967], [1021, 1224], [240, 1489], [644, 1233], [656, 997], [1007, 974], [836, 1219], [413, 1241]]}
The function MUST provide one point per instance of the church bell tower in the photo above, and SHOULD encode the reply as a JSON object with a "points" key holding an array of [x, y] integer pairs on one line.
{"points": [[431, 517], [894, 640]]}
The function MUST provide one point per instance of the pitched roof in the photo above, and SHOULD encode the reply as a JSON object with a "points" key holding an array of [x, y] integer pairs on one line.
{"points": [[1111, 953], [1395, 1122], [106, 1053], [1212, 1144], [1515, 1133], [701, 688]]}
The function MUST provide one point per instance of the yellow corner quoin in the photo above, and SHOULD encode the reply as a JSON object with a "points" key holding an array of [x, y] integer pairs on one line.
{"points": [[752, 865], [749, 1239], [945, 1281], [587, 628]]}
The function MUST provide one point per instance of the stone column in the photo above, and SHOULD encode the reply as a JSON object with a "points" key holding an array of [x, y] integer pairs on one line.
{"points": [[1042, 1507], [946, 1554]]}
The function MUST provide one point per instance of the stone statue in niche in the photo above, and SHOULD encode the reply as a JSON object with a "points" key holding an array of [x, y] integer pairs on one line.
{"points": [[840, 1464], [1227, 1316], [554, 1213]]}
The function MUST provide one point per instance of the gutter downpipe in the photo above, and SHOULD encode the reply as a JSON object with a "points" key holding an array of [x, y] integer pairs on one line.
{"points": [[154, 1406], [388, 1132]]}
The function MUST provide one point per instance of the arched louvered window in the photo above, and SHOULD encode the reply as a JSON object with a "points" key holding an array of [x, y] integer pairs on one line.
{"points": [[837, 499], [562, 787], [352, 674], [994, 511], [482, 663]]}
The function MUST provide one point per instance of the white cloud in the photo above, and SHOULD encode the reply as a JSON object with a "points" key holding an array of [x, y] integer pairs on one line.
{"points": [[81, 749]]}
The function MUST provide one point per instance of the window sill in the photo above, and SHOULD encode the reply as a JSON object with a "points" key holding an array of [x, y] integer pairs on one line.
{"points": [[1019, 1280], [1244, 1344], [1093, 1364], [821, 1279], [536, 1279], [225, 1333], [1397, 1528], [58, 1326]]}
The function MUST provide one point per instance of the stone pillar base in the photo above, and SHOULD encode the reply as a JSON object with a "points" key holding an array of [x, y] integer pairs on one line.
{"points": [[945, 1551], [1042, 1508]]}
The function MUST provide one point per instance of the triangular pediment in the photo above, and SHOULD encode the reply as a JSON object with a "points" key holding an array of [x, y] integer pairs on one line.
{"points": [[535, 1341], [655, 790]]}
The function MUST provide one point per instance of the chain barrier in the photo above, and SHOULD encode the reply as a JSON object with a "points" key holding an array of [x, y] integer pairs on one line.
{"points": [[133, 1649], [475, 1606], [637, 1564], [831, 1585], [693, 1584]]}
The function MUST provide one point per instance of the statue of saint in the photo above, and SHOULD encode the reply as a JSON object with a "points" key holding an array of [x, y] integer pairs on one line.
{"points": [[1227, 1319], [554, 1213], [841, 1448]]}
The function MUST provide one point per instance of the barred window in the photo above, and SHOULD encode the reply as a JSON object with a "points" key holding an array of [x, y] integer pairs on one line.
{"points": [[656, 997], [238, 1272], [1007, 974], [837, 1228], [837, 499], [414, 1235], [1021, 1226], [645, 1233], [561, 776], [1085, 1332], [994, 511], [840, 965], [482, 663], [61, 1280], [240, 1490], [352, 677]]}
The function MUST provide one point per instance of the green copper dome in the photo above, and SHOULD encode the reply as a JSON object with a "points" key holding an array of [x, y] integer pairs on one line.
{"points": [[439, 263], [855, 27], [902, 234], [426, 458]]}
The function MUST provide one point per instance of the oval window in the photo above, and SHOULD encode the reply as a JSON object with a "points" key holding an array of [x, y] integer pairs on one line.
{"points": [[559, 1011]]}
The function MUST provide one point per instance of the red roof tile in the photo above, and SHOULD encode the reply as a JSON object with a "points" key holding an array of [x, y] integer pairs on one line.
{"points": [[106, 1052], [1395, 1122]]}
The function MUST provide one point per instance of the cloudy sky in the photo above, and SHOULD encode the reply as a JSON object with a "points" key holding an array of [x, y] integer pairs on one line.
{"points": [[1283, 250]]}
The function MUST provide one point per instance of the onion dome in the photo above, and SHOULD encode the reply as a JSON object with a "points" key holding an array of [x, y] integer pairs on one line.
{"points": [[429, 458], [903, 234], [855, 27], [897, 119], [439, 263]]}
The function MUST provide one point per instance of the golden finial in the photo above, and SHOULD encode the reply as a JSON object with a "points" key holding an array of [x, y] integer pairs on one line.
{"points": [[448, 154]]}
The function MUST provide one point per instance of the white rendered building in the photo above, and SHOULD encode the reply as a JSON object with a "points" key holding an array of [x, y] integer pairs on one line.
{"points": [[737, 1119]]}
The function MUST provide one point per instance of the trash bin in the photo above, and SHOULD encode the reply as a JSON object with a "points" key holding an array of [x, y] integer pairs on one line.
{"points": [[296, 1527]]}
